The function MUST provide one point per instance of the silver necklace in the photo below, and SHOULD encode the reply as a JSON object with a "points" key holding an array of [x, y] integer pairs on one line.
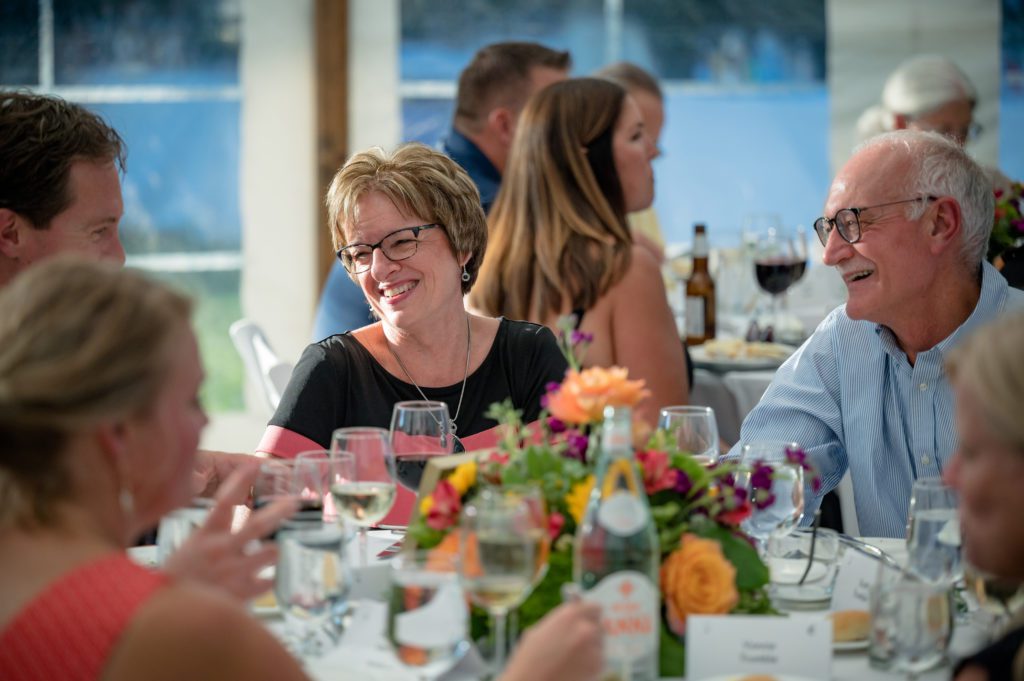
{"points": [[465, 375]]}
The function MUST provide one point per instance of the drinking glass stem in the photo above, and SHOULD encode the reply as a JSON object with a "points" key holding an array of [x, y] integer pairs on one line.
{"points": [[363, 550], [500, 641]]}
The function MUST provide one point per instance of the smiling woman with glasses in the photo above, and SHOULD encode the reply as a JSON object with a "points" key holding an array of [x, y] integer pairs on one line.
{"points": [[847, 220], [410, 232]]}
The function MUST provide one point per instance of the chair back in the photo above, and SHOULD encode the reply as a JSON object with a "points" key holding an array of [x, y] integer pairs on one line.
{"points": [[262, 364]]}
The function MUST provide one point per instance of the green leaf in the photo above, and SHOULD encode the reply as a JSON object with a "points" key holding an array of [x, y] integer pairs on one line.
{"points": [[751, 572], [671, 654]]}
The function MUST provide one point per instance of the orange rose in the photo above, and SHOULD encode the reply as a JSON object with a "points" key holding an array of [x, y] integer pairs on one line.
{"points": [[583, 395], [697, 579]]}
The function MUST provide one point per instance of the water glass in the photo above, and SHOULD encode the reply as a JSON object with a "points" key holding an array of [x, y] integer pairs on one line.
{"points": [[178, 525], [428, 619], [692, 429], [803, 566], [273, 481], [911, 622], [933, 532], [778, 502], [310, 582], [419, 430]]}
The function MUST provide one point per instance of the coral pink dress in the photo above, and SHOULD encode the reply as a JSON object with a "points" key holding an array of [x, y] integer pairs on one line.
{"points": [[70, 629]]}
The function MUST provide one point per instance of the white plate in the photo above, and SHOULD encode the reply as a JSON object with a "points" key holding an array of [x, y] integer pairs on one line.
{"points": [[740, 677], [702, 360], [850, 646]]}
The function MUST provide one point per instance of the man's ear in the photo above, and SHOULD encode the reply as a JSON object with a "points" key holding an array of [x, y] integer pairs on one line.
{"points": [[946, 226], [503, 122], [11, 225]]}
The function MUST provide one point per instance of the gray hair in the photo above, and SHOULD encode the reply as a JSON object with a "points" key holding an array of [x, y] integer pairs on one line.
{"points": [[917, 87], [938, 166]]}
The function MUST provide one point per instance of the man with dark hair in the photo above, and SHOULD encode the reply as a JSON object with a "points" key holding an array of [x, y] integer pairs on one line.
{"points": [[493, 89], [59, 184]]}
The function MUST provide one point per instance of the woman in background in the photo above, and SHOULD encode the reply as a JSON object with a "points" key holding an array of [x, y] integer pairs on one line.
{"points": [[560, 243], [987, 472], [99, 422]]}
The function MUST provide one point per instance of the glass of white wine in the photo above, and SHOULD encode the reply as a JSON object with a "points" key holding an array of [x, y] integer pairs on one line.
{"points": [[363, 484], [503, 552]]}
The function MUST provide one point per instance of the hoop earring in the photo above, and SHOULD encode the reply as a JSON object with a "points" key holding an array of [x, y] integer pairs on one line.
{"points": [[465, 275]]}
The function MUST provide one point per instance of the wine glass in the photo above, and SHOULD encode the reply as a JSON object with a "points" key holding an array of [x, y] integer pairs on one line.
{"points": [[311, 473], [428, 620], [933, 532], [775, 489], [364, 485], [273, 481], [502, 549], [779, 262], [310, 582], [692, 429], [911, 622], [419, 430]]}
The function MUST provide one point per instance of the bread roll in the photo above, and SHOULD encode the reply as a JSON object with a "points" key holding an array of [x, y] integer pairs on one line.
{"points": [[850, 625]]}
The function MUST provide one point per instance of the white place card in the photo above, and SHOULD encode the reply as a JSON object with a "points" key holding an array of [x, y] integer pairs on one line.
{"points": [[857, 573], [745, 644]]}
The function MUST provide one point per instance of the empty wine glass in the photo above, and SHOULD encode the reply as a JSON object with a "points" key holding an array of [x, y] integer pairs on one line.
{"points": [[503, 548], [363, 486], [775, 488], [933, 532], [310, 582], [273, 481], [779, 262], [428, 620], [911, 622], [311, 475], [420, 430], [692, 429]]}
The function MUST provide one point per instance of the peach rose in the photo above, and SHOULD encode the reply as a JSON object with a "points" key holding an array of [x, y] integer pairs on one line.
{"points": [[583, 395], [697, 579]]}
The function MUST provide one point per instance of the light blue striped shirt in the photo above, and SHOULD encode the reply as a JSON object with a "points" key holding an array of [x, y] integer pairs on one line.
{"points": [[851, 398]]}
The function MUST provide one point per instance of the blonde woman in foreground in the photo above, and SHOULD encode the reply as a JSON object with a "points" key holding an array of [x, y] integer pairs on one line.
{"points": [[99, 423]]}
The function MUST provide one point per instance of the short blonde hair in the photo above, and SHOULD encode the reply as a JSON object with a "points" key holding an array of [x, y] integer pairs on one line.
{"points": [[991, 366], [81, 343], [420, 181]]}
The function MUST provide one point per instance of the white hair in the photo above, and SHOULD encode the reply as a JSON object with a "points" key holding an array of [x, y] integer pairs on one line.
{"points": [[917, 87], [938, 166]]}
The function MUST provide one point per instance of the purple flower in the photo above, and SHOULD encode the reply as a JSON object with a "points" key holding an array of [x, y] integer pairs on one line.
{"points": [[578, 337], [552, 386], [577, 445], [555, 425], [761, 476], [683, 483]]}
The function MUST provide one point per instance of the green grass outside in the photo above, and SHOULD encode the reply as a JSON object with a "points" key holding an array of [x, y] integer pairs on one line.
{"points": [[217, 305]]}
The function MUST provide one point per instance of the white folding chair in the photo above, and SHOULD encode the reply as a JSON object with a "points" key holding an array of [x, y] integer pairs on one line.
{"points": [[264, 367], [847, 507]]}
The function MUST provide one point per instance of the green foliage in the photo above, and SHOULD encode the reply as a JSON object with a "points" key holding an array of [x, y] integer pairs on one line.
{"points": [[751, 573], [671, 654]]}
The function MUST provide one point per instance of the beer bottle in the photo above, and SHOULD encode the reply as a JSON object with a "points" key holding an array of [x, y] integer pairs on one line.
{"points": [[700, 293]]}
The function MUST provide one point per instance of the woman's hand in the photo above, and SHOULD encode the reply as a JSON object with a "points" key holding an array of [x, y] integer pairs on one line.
{"points": [[564, 646], [231, 561]]}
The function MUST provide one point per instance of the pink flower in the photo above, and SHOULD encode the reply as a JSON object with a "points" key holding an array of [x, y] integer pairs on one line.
{"points": [[444, 512], [556, 521], [658, 474]]}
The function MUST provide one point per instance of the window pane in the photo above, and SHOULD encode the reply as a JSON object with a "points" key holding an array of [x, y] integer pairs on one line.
{"points": [[216, 307], [19, 42], [740, 41], [118, 42], [1011, 102], [439, 37], [181, 184], [426, 120]]}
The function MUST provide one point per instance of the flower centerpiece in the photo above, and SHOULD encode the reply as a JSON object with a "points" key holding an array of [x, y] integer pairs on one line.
{"points": [[708, 565], [1008, 223]]}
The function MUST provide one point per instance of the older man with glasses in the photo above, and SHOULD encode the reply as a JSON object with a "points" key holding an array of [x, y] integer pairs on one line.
{"points": [[910, 219]]}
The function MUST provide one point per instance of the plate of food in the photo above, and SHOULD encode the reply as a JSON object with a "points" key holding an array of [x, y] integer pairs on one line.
{"points": [[733, 354]]}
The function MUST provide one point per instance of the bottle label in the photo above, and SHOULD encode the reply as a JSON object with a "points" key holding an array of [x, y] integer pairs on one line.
{"points": [[694, 317], [622, 514], [629, 604]]}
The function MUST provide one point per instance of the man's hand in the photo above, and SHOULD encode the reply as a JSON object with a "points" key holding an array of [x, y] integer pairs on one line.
{"points": [[567, 645], [216, 556], [213, 468]]}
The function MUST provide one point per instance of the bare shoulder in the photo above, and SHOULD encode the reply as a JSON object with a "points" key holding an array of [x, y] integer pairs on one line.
{"points": [[187, 631], [642, 277]]}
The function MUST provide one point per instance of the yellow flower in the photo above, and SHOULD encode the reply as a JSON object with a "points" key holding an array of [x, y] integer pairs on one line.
{"points": [[583, 395], [578, 497], [426, 504], [463, 477], [697, 579]]}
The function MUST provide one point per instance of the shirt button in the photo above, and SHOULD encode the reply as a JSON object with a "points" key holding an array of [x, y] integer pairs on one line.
{"points": [[926, 459], [922, 387]]}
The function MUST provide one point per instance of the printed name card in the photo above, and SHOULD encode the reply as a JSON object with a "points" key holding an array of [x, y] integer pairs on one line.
{"points": [[857, 573], [731, 644]]}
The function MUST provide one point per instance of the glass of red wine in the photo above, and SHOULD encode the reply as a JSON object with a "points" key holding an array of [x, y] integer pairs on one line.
{"points": [[420, 430], [779, 262]]}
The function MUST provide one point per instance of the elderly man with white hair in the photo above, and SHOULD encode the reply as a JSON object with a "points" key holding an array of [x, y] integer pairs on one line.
{"points": [[906, 225]]}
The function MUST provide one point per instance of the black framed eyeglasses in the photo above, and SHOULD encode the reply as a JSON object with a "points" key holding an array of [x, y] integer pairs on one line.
{"points": [[847, 220], [400, 244]]}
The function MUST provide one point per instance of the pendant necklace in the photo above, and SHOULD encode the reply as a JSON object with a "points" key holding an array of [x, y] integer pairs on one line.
{"points": [[465, 375]]}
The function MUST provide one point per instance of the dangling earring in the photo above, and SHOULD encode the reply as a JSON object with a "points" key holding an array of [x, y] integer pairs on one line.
{"points": [[465, 275]]}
